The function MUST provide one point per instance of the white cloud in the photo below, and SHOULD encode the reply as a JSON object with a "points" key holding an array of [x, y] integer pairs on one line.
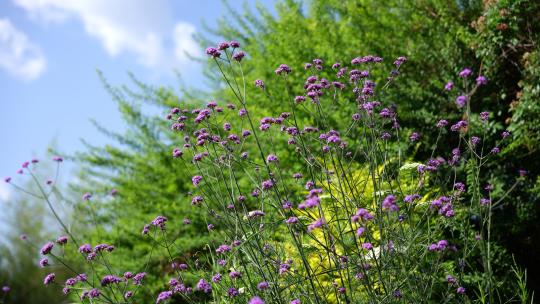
{"points": [[5, 192], [183, 42], [139, 27], [18, 55]]}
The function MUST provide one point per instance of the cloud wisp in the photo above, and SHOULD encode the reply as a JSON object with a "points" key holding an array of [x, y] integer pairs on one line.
{"points": [[138, 27], [18, 55]]}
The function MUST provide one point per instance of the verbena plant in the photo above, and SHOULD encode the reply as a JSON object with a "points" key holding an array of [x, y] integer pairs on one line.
{"points": [[332, 216]]}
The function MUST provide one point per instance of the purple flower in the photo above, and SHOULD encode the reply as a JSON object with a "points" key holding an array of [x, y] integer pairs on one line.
{"points": [[62, 240], [235, 274], [283, 68], [160, 221], [460, 290], [164, 295], [484, 116], [177, 153], [505, 134], [291, 220], [235, 44], [7, 180], [460, 125], [110, 279], [94, 293], [145, 229], [459, 187], [71, 281], [82, 277], [272, 158], [49, 279], [400, 60], [256, 300], [414, 136], [46, 249], [196, 200], [196, 180], [439, 246], [466, 72], [442, 123], [449, 86], [238, 56], [267, 184], [44, 262], [389, 203], [259, 83], [299, 99], [296, 301], [361, 214], [216, 278], [137, 279], [411, 198], [232, 292], [263, 286], [461, 101], [223, 248], [481, 80], [213, 52], [223, 46], [5, 289], [316, 224], [367, 246], [255, 213]]}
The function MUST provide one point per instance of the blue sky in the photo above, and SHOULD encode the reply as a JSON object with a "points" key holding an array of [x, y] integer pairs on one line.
{"points": [[49, 53]]}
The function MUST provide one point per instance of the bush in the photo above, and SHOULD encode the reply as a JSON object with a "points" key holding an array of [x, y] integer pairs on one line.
{"points": [[348, 214]]}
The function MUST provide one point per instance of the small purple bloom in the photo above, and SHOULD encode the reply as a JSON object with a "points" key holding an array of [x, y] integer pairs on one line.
{"points": [[49, 279], [466, 72], [213, 52], [196, 180], [442, 123], [259, 83], [163, 296], [256, 300], [367, 246], [461, 101], [137, 279], [481, 80], [46, 249], [263, 286]]}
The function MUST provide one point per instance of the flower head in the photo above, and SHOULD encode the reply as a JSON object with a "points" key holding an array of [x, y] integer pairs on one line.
{"points": [[256, 300], [466, 72], [211, 51], [49, 279], [46, 249]]}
